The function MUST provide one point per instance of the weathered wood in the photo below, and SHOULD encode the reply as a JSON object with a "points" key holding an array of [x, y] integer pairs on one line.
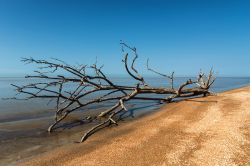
{"points": [[104, 88]]}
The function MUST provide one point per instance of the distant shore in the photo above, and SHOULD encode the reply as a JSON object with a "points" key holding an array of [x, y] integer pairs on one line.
{"points": [[201, 131]]}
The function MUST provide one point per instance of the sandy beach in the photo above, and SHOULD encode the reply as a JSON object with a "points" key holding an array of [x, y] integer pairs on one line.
{"points": [[203, 131]]}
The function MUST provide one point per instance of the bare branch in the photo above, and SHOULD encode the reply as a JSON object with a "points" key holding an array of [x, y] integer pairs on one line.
{"points": [[170, 78], [53, 85]]}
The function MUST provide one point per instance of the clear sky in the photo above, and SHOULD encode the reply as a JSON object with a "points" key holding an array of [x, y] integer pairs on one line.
{"points": [[179, 35]]}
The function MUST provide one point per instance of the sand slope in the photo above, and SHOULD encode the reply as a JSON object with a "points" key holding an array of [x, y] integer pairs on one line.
{"points": [[205, 131]]}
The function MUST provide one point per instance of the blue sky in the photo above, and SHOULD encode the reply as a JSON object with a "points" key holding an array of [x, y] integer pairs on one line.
{"points": [[176, 35]]}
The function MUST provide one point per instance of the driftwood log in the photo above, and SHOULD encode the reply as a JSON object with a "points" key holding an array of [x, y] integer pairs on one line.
{"points": [[91, 79]]}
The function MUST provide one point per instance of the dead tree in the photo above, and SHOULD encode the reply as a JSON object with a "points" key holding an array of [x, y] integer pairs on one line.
{"points": [[91, 79]]}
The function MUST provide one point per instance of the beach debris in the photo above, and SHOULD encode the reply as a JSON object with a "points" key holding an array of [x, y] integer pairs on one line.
{"points": [[86, 80]]}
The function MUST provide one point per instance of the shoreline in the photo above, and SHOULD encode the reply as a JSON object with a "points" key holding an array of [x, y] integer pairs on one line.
{"points": [[174, 120], [26, 138]]}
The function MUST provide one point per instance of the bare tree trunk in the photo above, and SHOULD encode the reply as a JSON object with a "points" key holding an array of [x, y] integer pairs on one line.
{"points": [[87, 84]]}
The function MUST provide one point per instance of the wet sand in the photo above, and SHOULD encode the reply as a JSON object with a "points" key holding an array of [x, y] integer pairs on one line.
{"points": [[203, 131], [22, 137]]}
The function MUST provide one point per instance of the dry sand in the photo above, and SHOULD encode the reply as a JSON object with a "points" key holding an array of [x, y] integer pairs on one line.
{"points": [[206, 131]]}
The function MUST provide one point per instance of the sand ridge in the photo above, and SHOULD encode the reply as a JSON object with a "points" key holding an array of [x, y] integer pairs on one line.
{"points": [[203, 131]]}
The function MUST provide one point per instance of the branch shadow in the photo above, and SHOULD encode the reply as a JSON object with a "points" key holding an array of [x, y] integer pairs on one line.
{"points": [[132, 112], [203, 101]]}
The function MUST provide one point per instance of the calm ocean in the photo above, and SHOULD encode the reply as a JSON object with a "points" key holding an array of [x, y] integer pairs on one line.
{"points": [[13, 109]]}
